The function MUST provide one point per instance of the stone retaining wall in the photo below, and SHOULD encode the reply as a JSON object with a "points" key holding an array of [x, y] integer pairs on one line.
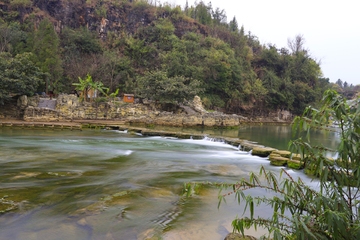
{"points": [[68, 107]]}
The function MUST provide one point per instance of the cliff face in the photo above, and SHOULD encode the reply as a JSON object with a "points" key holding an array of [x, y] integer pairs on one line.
{"points": [[102, 18]]}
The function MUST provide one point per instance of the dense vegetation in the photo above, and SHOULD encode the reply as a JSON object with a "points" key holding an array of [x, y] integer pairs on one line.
{"points": [[18, 75], [236, 72]]}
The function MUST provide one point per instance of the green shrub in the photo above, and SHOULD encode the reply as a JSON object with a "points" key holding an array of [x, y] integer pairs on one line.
{"points": [[20, 3]]}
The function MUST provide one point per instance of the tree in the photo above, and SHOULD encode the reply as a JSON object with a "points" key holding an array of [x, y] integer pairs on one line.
{"points": [[219, 16], [234, 27], [46, 50], [158, 86], [297, 45], [5, 37], [17, 75], [300, 212], [340, 83]]}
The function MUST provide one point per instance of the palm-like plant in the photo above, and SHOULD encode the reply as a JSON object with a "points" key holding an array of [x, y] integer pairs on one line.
{"points": [[113, 95], [85, 85]]}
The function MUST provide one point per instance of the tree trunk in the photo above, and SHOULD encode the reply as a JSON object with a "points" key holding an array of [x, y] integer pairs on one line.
{"points": [[46, 85]]}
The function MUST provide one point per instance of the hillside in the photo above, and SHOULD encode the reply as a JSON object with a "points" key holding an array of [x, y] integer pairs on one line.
{"points": [[117, 42]]}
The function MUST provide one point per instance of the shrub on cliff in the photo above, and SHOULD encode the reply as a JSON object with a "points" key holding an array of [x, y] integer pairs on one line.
{"points": [[300, 212], [158, 86], [17, 75]]}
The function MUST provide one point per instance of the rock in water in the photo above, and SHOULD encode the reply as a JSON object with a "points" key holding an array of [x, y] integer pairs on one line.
{"points": [[238, 236], [262, 152]]}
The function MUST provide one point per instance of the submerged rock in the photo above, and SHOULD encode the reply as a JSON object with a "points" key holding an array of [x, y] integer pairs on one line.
{"points": [[49, 175], [7, 205]]}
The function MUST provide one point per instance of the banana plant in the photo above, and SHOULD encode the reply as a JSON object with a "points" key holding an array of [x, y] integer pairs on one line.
{"points": [[113, 95], [85, 85]]}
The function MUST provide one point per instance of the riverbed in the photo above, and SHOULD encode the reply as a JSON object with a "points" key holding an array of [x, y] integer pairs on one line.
{"points": [[101, 184]]}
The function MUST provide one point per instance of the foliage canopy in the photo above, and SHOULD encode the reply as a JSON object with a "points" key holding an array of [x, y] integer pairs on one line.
{"points": [[158, 86], [18, 75]]}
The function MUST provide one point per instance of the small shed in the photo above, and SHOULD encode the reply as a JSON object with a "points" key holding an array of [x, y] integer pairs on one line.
{"points": [[129, 98]]}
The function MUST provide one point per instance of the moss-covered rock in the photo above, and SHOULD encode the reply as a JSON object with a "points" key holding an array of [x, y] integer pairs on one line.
{"points": [[198, 136], [310, 171], [151, 133], [262, 152], [272, 155], [238, 236], [184, 135], [135, 130], [295, 164], [279, 161], [169, 134], [296, 157], [282, 153]]}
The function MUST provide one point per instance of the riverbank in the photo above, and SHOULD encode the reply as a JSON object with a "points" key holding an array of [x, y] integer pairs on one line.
{"points": [[68, 108]]}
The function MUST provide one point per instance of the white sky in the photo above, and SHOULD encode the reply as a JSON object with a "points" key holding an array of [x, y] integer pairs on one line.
{"points": [[331, 28]]}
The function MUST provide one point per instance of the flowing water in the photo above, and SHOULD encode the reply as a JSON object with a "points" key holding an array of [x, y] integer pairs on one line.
{"points": [[113, 185]]}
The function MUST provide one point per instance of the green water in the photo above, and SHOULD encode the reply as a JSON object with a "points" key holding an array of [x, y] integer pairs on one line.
{"points": [[113, 185], [276, 136]]}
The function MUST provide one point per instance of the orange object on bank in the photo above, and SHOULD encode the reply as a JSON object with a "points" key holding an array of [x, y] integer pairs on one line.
{"points": [[129, 98]]}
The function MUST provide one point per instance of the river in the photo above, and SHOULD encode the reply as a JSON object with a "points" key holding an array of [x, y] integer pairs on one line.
{"points": [[101, 184]]}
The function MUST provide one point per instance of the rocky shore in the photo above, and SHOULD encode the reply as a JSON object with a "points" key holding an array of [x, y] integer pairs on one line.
{"points": [[67, 108]]}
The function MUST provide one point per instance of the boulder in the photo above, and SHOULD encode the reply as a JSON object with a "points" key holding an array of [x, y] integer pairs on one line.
{"points": [[22, 102], [296, 157], [238, 236], [295, 164], [198, 105], [279, 161], [285, 154], [262, 152], [272, 155]]}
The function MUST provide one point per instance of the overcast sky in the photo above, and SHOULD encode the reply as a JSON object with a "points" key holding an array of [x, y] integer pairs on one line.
{"points": [[331, 28]]}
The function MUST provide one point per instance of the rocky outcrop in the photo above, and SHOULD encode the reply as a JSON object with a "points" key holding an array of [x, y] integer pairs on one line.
{"points": [[102, 17], [22, 102], [197, 105]]}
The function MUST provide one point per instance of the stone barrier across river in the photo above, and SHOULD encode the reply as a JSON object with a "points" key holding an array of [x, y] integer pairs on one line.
{"points": [[276, 157]]}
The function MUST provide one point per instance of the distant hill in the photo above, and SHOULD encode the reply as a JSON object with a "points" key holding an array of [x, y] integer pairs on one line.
{"points": [[118, 41]]}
